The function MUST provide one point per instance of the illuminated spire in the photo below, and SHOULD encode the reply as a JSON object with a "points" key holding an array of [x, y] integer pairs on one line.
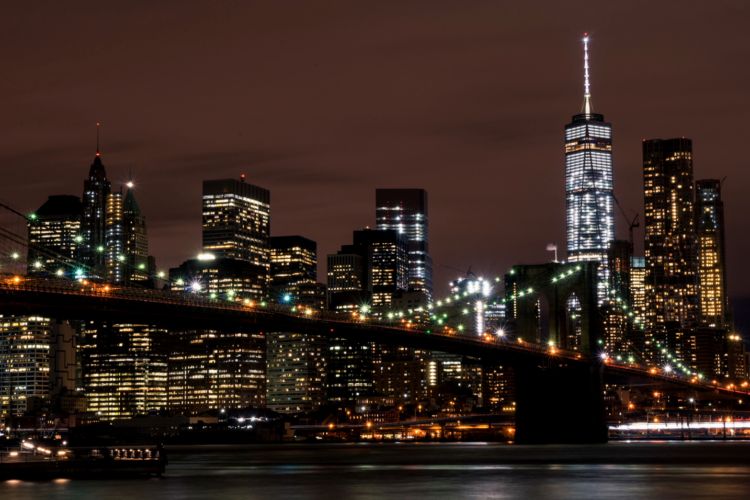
{"points": [[97, 139], [586, 82]]}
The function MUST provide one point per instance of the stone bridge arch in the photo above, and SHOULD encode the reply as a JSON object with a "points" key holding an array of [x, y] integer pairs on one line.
{"points": [[554, 283]]}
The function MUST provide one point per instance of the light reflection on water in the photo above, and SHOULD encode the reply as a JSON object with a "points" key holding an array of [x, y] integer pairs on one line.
{"points": [[437, 471]]}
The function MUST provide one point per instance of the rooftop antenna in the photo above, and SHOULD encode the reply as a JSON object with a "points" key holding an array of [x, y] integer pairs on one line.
{"points": [[586, 81], [97, 138]]}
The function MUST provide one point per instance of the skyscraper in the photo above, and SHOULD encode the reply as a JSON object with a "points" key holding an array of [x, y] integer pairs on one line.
{"points": [[709, 220], [114, 238], [670, 252], [135, 239], [125, 371], [237, 221], [589, 199], [386, 264], [405, 211], [296, 362], [346, 280], [96, 188], [236, 228], [293, 263], [224, 369], [25, 344], [54, 236]]}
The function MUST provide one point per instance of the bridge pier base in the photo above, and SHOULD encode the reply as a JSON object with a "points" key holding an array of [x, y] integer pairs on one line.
{"points": [[560, 403]]}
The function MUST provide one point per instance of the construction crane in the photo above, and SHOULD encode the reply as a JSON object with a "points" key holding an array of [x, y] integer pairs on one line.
{"points": [[632, 223]]}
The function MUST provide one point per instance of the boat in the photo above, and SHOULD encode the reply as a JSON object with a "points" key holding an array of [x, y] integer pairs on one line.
{"points": [[38, 462]]}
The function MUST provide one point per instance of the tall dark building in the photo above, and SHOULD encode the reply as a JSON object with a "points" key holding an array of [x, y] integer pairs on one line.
{"points": [[346, 280], [405, 211], [296, 360], [236, 226], [294, 262], [135, 239], [114, 237], [709, 221], [236, 220], [589, 199], [617, 331], [386, 264], [670, 250], [372, 270], [96, 189], [54, 235]]}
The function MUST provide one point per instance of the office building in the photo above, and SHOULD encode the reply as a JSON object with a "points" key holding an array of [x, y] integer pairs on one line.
{"points": [[237, 221], [589, 199], [138, 266], [114, 237], [37, 363], [670, 249], [709, 224], [296, 360], [293, 263], [124, 369], [405, 211], [96, 189], [214, 370], [54, 236], [296, 373]]}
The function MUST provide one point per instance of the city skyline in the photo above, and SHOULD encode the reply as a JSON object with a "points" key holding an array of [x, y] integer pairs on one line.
{"points": [[482, 156]]}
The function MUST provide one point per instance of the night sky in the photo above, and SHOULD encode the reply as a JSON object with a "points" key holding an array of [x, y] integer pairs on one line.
{"points": [[322, 102]]}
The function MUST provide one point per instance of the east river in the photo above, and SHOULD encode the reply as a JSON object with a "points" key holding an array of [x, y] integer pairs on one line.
{"points": [[676, 470]]}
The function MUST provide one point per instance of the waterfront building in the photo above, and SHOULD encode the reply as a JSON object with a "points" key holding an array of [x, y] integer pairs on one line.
{"points": [[24, 363], [400, 373], [670, 246], [124, 369], [37, 362], [213, 370], [349, 371], [296, 373], [405, 211], [54, 236], [296, 360], [589, 198]]}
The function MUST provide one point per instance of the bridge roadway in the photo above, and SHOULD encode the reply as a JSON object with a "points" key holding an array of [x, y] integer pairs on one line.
{"points": [[547, 379], [83, 300]]}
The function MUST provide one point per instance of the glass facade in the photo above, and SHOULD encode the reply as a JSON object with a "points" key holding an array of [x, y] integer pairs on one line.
{"points": [[670, 249], [96, 188], [589, 195], [709, 214], [405, 211], [236, 220], [589, 199], [54, 233]]}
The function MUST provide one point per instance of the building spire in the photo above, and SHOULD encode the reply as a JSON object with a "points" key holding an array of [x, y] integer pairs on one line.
{"points": [[98, 153], [586, 82]]}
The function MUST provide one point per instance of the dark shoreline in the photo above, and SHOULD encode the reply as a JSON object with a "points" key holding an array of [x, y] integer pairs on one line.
{"points": [[729, 453]]}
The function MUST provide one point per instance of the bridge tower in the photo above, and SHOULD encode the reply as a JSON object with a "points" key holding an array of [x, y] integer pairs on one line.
{"points": [[558, 401]]}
